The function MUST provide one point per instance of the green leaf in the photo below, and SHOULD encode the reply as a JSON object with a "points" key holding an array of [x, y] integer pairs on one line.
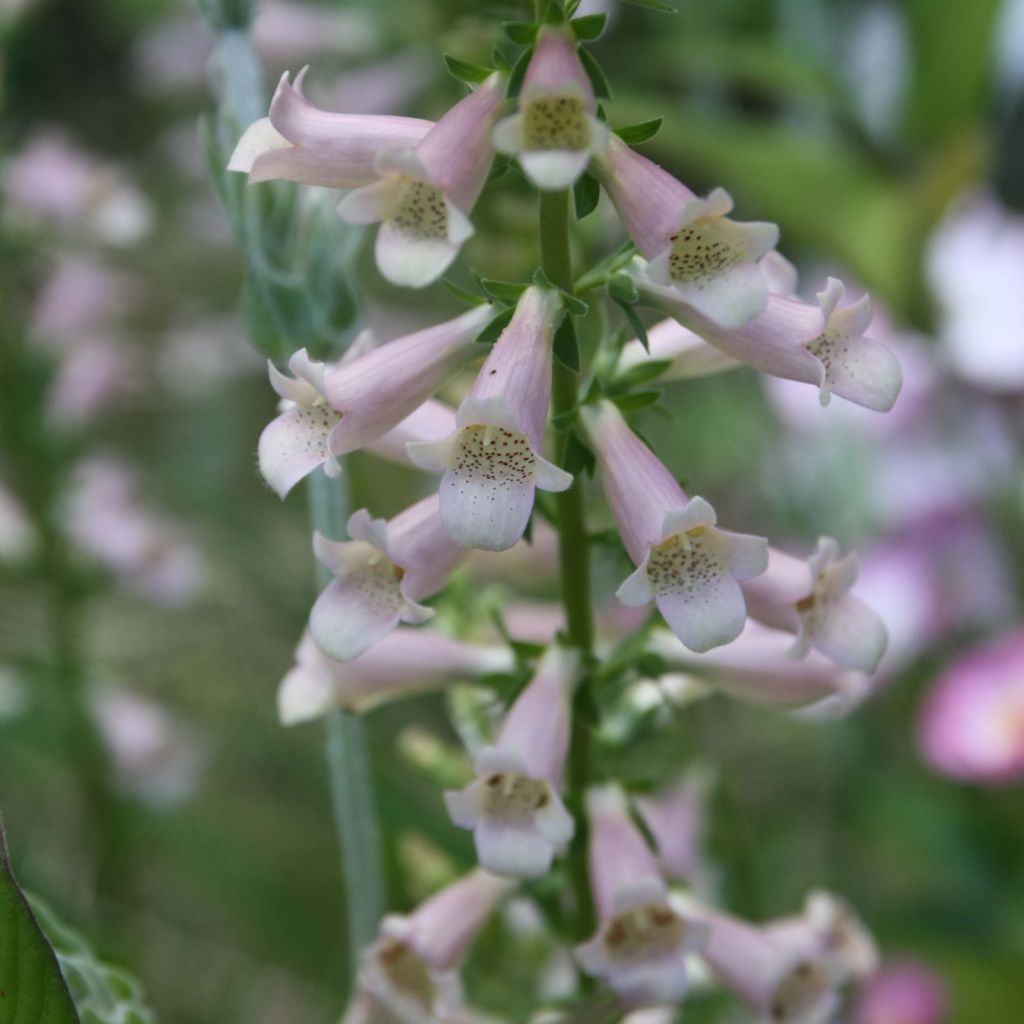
{"points": [[654, 5], [640, 373], [566, 348], [635, 134], [492, 331], [636, 324], [589, 27], [601, 87], [499, 167], [466, 72], [463, 294], [586, 193], [521, 32], [515, 79], [634, 401], [502, 291], [32, 989], [500, 61]]}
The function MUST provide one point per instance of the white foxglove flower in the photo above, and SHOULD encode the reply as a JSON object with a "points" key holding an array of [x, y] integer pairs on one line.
{"points": [[642, 942], [492, 464], [380, 576], [555, 133], [688, 566], [698, 256], [514, 808], [812, 599]]}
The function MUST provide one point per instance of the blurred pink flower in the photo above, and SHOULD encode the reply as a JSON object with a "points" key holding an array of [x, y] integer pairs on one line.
{"points": [[17, 535], [87, 379], [971, 725], [903, 993], [79, 299]]}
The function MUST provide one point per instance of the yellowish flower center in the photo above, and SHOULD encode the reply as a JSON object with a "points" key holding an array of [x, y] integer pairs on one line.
{"points": [[556, 122]]}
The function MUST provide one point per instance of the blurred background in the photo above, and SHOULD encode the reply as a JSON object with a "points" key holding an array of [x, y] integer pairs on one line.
{"points": [[152, 589]]}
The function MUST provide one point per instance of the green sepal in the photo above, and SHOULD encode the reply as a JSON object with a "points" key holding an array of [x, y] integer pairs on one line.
{"points": [[635, 134], [522, 33], [566, 348], [589, 27], [602, 90], [492, 330], [586, 193], [464, 71]]}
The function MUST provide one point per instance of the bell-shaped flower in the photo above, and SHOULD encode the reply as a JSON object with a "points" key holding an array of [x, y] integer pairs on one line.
{"points": [[642, 942], [514, 809], [821, 344], [688, 566], [782, 985], [379, 389], [812, 599], [298, 142], [676, 817], [492, 464], [757, 667], [412, 968], [380, 575], [405, 662], [555, 132], [295, 443], [697, 254], [423, 196], [830, 930]]}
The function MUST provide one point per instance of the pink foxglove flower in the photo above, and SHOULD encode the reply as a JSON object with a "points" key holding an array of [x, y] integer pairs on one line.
{"points": [[412, 967], [971, 726], [424, 195], [642, 942], [376, 391], [676, 818], [812, 599], [380, 575], [492, 464], [779, 983], [823, 345], [688, 566], [517, 817], [296, 442], [698, 256], [404, 662], [903, 993], [756, 667], [555, 133], [298, 142]]}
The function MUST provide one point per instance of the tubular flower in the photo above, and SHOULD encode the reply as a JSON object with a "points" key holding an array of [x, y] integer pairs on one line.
{"points": [[698, 256], [676, 818], [641, 943], [380, 575], [298, 142], [781, 984], [823, 345], [412, 967], [295, 443], [492, 464], [404, 662], [513, 808], [376, 391], [812, 599], [555, 133], [423, 196], [757, 667], [689, 567]]}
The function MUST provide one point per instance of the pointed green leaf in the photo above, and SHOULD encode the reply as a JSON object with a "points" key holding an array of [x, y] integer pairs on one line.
{"points": [[502, 291], [586, 193], [515, 79], [654, 5], [589, 27], [566, 348], [635, 134], [521, 32], [601, 87], [634, 401], [492, 331], [466, 72]]}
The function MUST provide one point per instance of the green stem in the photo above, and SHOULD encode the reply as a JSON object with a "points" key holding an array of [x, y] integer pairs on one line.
{"points": [[573, 554], [348, 760]]}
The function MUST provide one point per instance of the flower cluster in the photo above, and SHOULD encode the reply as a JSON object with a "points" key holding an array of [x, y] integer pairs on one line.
{"points": [[736, 614]]}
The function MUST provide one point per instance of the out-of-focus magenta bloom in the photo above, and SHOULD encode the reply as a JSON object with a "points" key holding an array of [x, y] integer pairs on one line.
{"points": [[492, 463], [52, 180], [812, 599], [699, 257], [688, 566], [299, 142], [514, 808], [412, 969], [380, 576], [404, 662], [425, 194], [376, 391], [821, 344], [555, 133], [971, 726], [974, 267], [903, 993]]}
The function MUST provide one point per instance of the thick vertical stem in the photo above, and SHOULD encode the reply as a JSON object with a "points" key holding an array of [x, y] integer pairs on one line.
{"points": [[348, 759], [573, 552]]}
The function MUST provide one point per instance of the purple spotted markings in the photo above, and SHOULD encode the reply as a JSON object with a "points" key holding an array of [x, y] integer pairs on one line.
{"points": [[684, 563], [698, 255], [643, 933], [556, 122], [494, 454], [406, 973], [421, 212], [802, 989]]}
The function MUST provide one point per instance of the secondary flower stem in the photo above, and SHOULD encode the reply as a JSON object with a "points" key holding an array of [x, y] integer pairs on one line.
{"points": [[573, 553], [348, 760]]}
